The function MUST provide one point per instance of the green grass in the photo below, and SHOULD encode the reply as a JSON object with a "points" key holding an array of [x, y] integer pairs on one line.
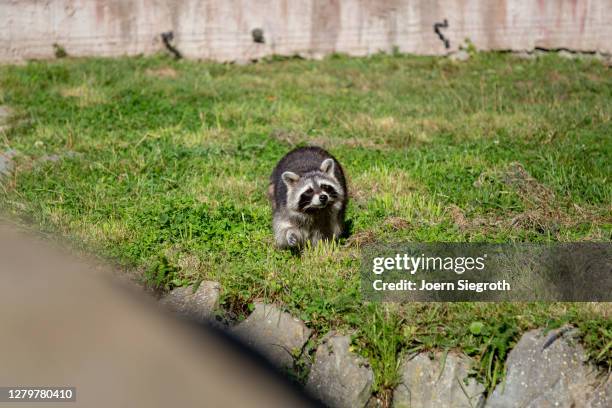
{"points": [[173, 157]]}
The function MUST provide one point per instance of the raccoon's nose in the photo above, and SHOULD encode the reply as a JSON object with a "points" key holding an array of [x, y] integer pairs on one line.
{"points": [[323, 198]]}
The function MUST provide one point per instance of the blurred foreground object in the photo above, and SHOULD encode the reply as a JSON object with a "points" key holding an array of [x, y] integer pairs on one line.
{"points": [[65, 322]]}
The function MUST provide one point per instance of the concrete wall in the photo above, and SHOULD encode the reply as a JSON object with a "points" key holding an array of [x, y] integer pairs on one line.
{"points": [[221, 29]]}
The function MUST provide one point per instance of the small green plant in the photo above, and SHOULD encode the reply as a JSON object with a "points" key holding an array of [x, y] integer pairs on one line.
{"points": [[495, 342], [59, 51], [380, 340], [302, 361], [162, 275], [597, 338], [469, 47]]}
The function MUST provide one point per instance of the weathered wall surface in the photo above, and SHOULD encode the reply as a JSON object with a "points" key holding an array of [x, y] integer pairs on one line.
{"points": [[221, 29]]}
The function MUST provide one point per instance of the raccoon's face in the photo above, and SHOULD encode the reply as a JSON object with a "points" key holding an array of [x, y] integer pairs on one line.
{"points": [[313, 191]]}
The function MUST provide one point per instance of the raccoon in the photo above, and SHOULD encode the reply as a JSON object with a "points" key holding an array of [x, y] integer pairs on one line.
{"points": [[308, 195]]}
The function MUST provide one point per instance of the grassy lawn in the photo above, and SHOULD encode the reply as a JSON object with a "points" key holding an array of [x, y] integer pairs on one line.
{"points": [[165, 164]]}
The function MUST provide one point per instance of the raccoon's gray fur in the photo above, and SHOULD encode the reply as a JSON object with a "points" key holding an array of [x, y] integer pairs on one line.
{"points": [[308, 196]]}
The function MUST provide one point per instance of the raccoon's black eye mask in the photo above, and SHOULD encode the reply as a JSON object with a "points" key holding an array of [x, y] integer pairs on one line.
{"points": [[330, 190], [305, 198]]}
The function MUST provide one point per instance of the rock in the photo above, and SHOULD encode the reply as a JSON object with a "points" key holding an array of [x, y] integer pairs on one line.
{"points": [[461, 55], [5, 113], [567, 55], [317, 56], [602, 396], [525, 55], [339, 377], [54, 158], [242, 62], [540, 53], [539, 376], [6, 161], [199, 305], [275, 334], [437, 383], [605, 59], [375, 402]]}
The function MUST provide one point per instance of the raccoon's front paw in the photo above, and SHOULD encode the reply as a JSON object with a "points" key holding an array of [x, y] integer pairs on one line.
{"points": [[293, 238]]}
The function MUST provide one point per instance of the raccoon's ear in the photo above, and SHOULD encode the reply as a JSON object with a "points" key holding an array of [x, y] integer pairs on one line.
{"points": [[327, 166], [290, 178]]}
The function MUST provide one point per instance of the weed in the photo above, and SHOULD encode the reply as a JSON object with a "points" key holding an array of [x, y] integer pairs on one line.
{"points": [[59, 51], [162, 275]]}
